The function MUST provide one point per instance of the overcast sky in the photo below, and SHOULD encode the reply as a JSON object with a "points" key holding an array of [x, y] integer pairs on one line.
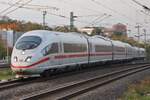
{"points": [[121, 11]]}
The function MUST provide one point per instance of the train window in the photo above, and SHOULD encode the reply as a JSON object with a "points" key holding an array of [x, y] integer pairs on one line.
{"points": [[119, 49], [28, 42], [50, 49], [102, 48], [54, 48], [69, 48]]}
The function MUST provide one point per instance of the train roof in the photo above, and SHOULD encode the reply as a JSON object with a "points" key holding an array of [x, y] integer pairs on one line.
{"points": [[101, 37], [118, 43], [74, 36]]}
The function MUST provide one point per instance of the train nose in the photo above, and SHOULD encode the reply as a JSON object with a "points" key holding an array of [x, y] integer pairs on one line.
{"points": [[21, 66], [17, 59], [22, 56], [19, 63]]}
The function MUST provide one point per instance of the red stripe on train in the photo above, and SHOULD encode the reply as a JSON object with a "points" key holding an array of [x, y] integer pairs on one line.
{"points": [[64, 56], [70, 56], [39, 62], [101, 54], [82, 55]]}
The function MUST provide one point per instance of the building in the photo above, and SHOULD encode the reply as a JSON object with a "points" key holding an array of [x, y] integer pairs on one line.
{"points": [[120, 29], [108, 32], [9, 37]]}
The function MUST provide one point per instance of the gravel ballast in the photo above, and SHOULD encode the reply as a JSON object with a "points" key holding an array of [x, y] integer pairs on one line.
{"points": [[16, 93], [114, 90]]}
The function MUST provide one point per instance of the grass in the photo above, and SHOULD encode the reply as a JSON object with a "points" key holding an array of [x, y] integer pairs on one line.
{"points": [[139, 91], [6, 73]]}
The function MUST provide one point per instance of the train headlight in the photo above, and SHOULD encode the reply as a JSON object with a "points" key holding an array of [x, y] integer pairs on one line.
{"points": [[15, 59], [28, 59]]}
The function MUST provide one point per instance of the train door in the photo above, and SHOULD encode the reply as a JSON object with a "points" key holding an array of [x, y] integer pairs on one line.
{"points": [[51, 51], [54, 53], [59, 55]]}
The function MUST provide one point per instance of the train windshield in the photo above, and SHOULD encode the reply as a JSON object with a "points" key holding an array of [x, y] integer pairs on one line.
{"points": [[28, 42]]}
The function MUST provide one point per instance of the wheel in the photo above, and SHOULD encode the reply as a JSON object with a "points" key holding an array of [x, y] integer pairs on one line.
{"points": [[46, 73]]}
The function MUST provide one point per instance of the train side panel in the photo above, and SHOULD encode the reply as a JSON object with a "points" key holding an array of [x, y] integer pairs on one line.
{"points": [[101, 49], [74, 49], [119, 50]]}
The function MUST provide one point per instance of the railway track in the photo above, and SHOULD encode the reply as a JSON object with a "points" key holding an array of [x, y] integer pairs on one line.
{"points": [[20, 82], [70, 90], [15, 83], [4, 65]]}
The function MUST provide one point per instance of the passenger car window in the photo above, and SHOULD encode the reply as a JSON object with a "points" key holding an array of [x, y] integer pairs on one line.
{"points": [[72, 47], [54, 48], [50, 49], [103, 48]]}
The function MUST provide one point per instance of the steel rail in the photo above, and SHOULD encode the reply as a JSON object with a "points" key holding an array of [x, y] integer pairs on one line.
{"points": [[20, 82], [74, 89], [15, 83], [4, 66]]}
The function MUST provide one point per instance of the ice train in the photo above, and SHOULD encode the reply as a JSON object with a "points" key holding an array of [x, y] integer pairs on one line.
{"points": [[40, 52]]}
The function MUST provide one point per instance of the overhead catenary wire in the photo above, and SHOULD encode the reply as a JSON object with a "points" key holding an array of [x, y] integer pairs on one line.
{"points": [[37, 8], [3, 11], [41, 10], [129, 4], [82, 7], [58, 15], [32, 5], [148, 14], [94, 15], [42, 6], [17, 7], [86, 8], [146, 8], [99, 17], [132, 4], [140, 4], [103, 19], [106, 7]]}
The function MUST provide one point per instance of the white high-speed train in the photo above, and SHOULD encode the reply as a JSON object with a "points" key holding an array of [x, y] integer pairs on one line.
{"points": [[40, 52]]}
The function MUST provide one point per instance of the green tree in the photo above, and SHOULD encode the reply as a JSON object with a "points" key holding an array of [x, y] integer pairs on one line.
{"points": [[22, 26], [28, 26], [65, 29], [148, 52], [124, 38], [62, 29], [97, 31]]}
